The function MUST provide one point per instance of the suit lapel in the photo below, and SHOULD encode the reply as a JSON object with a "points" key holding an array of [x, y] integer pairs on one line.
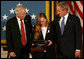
{"points": [[25, 22], [41, 36], [67, 23], [58, 25], [26, 28], [17, 26], [47, 33]]}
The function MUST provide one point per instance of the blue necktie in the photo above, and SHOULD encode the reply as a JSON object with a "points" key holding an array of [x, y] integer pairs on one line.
{"points": [[62, 26]]}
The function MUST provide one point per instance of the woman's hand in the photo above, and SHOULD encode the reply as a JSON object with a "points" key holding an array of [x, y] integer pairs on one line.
{"points": [[33, 44], [50, 42]]}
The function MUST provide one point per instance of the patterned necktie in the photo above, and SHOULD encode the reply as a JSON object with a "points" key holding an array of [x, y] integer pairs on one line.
{"points": [[23, 37], [62, 26]]}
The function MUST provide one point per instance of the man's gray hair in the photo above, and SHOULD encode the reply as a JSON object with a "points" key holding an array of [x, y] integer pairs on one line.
{"points": [[63, 5], [19, 8]]}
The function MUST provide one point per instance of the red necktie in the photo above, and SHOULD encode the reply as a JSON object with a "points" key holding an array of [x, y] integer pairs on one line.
{"points": [[23, 34]]}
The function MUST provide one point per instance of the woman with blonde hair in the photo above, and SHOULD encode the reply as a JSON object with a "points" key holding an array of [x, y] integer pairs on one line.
{"points": [[42, 32]]}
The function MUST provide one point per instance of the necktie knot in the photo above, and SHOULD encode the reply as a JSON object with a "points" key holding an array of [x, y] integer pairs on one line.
{"points": [[63, 18], [21, 20]]}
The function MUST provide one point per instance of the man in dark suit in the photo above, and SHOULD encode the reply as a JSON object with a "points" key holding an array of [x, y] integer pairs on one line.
{"points": [[66, 31], [18, 34]]}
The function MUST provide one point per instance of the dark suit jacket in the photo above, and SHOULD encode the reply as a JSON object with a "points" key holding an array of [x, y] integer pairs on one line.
{"points": [[71, 38], [13, 35], [50, 51]]}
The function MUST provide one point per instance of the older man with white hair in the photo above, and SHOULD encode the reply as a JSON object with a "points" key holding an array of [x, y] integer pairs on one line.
{"points": [[18, 34]]}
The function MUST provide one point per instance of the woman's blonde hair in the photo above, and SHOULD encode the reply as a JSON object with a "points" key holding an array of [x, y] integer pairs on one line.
{"points": [[38, 25]]}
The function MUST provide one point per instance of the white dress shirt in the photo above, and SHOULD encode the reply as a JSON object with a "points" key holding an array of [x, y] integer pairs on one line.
{"points": [[44, 31], [65, 21]]}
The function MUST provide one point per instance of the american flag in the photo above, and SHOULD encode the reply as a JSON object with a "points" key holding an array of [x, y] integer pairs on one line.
{"points": [[8, 11], [76, 8]]}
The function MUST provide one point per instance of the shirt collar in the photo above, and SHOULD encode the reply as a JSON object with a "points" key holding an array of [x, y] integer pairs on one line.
{"points": [[18, 19], [66, 16]]}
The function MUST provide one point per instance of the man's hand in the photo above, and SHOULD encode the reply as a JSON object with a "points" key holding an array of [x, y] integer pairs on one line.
{"points": [[12, 54], [77, 54], [33, 44], [50, 42]]}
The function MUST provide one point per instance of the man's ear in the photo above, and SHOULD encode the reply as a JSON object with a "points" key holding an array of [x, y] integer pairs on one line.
{"points": [[17, 15], [65, 10]]}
